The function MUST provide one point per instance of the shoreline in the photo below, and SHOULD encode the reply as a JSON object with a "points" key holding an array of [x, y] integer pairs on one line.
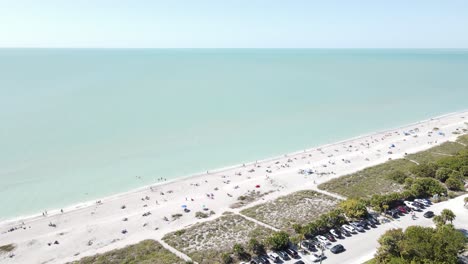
{"points": [[82, 205], [148, 213]]}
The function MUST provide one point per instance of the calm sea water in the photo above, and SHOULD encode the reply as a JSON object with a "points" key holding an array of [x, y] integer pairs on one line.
{"points": [[76, 125]]}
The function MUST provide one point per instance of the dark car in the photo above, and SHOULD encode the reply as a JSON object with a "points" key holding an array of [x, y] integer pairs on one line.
{"points": [[372, 220], [418, 204], [337, 249], [364, 223], [345, 232], [299, 262], [392, 213], [428, 214], [283, 255], [264, 259], [308, 245], [255, 260], [293, 253]]}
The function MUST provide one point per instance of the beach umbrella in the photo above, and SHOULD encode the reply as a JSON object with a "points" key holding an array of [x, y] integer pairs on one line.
{"points": [[393, 145], [257, 186], [184, 206]]}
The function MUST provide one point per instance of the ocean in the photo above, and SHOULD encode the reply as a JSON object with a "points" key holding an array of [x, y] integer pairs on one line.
{"points": [[81, 124]]}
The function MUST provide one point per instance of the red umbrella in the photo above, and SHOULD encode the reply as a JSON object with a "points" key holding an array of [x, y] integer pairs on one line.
{"points": [[257, 186]]}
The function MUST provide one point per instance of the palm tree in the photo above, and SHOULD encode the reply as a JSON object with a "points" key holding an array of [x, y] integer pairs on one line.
{"points": [[447, 215], [438, 220]]}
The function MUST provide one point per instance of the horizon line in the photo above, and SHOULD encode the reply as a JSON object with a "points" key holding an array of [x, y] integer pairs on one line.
{"points": [[234, 48]]}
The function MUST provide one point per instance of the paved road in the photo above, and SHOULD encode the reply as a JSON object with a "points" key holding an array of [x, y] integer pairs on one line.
{"points": [[362, 247]]}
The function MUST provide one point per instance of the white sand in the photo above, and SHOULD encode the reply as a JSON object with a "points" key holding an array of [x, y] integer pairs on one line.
{"points": [[102, 224]]}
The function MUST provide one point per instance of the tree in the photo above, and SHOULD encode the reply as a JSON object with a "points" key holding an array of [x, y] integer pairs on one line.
{"points": [[420, 245], [417, 244], [438, 220], [397, 176], [464, 171], [447, 243], [278, 240], [256, 247], [442, 174], [354, 208], [465, 200], [389, 245], [448, 215], [454, 184], [424, 170], [423, 187]]}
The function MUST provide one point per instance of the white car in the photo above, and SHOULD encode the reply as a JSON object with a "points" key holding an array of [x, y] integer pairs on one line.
{"points": [[422, 201], [411, 205], [349, 228], [275, 257], [322, 239], [317, 257], [334, 233]]}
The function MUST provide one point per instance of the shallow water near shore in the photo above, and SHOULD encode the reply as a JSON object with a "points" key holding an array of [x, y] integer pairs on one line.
{"points": [[77, 125]]}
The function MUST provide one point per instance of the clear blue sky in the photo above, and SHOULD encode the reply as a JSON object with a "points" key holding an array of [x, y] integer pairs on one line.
{"points": [[234, 23]]}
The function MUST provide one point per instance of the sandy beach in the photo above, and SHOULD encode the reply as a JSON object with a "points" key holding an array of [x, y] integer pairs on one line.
{"points": [[120, 220]]}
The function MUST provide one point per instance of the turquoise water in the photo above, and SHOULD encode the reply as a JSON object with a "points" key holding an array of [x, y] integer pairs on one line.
{"points": [[81, 124]]}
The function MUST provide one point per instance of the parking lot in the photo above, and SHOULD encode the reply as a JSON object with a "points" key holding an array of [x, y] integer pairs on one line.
{"points": [[362, 246]]}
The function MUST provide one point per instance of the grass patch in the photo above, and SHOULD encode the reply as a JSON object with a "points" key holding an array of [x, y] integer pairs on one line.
{"points": [[299, 207], [249, 197], [7, 248], [206, 242], [436, 153], [463, 139], [147, 251], [369, 181]]}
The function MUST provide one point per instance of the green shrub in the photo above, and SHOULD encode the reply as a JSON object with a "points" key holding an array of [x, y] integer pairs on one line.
{"points": [[454, 184]]}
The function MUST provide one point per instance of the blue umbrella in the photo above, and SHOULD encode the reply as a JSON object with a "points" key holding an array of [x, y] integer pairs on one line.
{"points": [[184, 206]]}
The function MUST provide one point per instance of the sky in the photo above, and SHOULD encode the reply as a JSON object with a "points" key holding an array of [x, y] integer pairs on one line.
{"points": [[234, 23]]}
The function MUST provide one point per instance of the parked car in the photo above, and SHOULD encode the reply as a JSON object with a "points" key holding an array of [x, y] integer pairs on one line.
{"points": [[317, 257], [364, 223], [412, 206], [275, 257], [345, 232], [406, 208], [308, 246], [322, 239], [283, 255], [299, 262], [293, 253], [402, 209], [373, 219], [264, 259], [393, 213], [330, 237], [428, 214], [335, 233], [349, 228], [357, 226], [337, 249], [425, 202], [420, 205], [255, 260]]}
